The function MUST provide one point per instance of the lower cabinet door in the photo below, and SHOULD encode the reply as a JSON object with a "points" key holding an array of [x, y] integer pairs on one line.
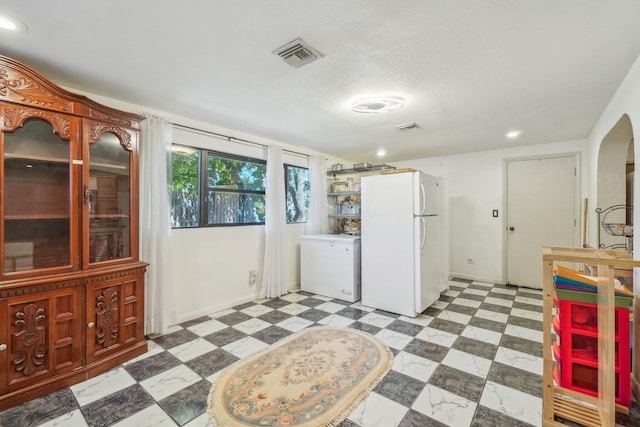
{"points": [[40, 336], [115, 315]]}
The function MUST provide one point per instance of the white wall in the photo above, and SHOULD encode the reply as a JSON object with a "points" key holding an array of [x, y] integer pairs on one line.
{"points": [[211, 265], [477, 187], [625, 101]]}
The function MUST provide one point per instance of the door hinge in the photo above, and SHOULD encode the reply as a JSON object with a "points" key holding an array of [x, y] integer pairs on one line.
{"points": [[575, 222], [575, 171]]}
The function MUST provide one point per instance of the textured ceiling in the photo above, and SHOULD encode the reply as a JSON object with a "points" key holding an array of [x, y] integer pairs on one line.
{"points": [[469, 70]]}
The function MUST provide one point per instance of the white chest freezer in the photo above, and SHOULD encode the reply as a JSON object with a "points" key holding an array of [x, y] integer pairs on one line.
{"points": [[330, 265]]}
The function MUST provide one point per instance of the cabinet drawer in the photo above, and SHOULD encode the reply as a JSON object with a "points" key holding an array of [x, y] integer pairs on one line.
{"points": [[585, 379], [582, 316], [586, 348]]}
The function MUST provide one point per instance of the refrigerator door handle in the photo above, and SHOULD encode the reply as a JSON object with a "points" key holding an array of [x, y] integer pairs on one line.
{"points": [[422, 199], [424, 233]]}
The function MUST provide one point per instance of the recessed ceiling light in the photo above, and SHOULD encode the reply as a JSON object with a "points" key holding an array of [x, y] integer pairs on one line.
{"points": [[11, 24], [513, 134], [381, 153], [377, 105]]}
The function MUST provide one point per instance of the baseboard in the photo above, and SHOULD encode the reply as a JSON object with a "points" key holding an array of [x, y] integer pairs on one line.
{"points": [[185, 317], [485, 279]]}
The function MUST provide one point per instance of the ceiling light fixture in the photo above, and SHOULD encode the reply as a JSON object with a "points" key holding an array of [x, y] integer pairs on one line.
{"points": [[513, 134], [377, 105], [11, 24], [381, 153]]}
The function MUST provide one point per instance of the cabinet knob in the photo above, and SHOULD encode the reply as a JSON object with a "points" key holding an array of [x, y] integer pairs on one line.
{"points": [[3, 347], [91, 324]]}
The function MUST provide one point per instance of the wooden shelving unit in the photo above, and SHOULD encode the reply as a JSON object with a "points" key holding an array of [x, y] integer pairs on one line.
{"points": [[587, 410]]}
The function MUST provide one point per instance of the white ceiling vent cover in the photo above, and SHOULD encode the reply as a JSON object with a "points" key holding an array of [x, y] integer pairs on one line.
{"points": [[297, 53]]}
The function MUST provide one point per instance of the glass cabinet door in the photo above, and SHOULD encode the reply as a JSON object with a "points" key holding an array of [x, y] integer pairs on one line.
{"points": [[38, 224], [108, 199]]}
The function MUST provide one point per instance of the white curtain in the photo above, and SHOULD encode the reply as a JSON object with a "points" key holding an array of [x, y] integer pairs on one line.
{"points": [[155, 226], [274, 271], [317, 220]]}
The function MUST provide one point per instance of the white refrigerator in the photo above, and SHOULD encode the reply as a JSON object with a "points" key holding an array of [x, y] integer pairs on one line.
{"points": [[404, 241]]}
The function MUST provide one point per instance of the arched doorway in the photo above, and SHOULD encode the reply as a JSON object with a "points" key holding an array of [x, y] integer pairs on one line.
{"points": [[615, 187], [615, 181]]}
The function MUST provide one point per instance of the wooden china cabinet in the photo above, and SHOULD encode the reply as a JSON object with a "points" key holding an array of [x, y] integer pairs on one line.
{"points": [[71, 283]]}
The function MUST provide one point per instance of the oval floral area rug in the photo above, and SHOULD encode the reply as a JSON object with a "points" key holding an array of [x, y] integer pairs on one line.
{"points": [[314, 377]]}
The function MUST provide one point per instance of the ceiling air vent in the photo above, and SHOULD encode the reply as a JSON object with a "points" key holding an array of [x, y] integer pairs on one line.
{"points": [[407, 126], [297, 53]]}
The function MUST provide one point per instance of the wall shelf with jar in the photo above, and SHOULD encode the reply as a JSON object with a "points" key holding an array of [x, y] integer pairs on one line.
{"points": [[344, 196]]}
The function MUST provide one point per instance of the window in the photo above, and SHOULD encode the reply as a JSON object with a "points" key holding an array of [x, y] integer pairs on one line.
{"points": [[297, 186], [185, 186], [233, 188]]}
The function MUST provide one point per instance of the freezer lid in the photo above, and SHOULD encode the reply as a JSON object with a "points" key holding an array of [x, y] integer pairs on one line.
{"points": [[345, 238]]}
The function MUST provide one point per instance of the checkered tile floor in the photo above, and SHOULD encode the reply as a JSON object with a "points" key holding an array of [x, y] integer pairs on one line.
{"points": [[472, 359]]}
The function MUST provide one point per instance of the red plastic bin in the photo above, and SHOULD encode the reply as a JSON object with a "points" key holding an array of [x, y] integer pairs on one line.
{"points": [[576, 325]]}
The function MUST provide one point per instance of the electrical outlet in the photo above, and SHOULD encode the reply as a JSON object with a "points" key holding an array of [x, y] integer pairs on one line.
{"points": [[253, 276]]}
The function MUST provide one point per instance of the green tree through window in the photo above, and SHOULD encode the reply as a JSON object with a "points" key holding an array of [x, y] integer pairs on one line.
{"points": [[297, 186], [210, 188], [236, 189], [185, 186]]}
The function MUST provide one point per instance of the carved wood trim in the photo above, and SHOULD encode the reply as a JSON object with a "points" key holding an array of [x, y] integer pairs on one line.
{"points": [[107, 317], [20, 84], [97, 129], [24, 89], [89, 277], [115, 275], [43, 287], [14, 117], [99, 115], [30, 339]]}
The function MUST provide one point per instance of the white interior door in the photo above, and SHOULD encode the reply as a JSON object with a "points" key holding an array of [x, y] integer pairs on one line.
{"points": [[541, 210]]}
